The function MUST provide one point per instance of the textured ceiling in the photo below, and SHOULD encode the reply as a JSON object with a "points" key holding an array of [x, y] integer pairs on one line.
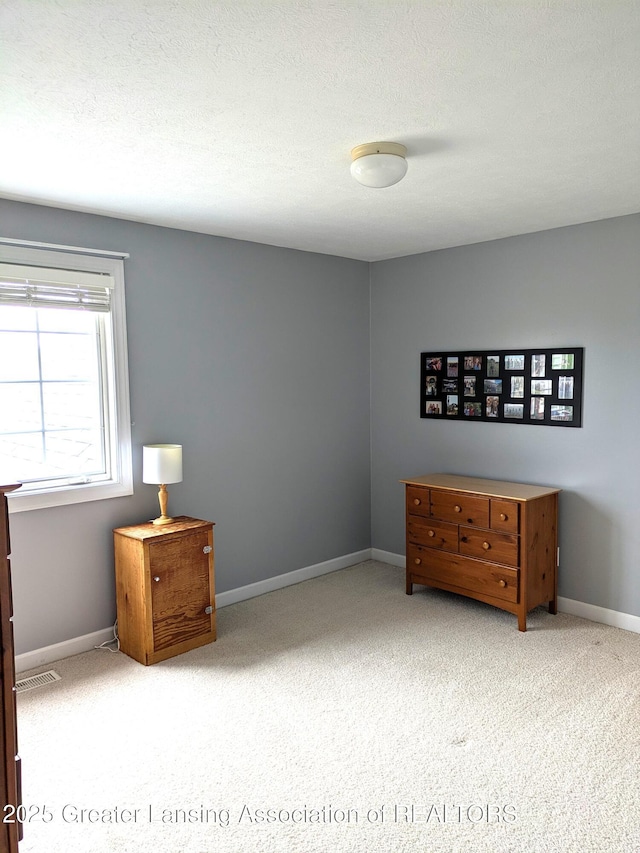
{"points": [[238, 118]]}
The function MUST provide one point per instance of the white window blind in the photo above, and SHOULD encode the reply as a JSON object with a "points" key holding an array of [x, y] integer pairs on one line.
{"points": [[47, 288]]}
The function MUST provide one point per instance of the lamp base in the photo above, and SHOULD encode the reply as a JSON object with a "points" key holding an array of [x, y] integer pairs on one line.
{"points": [[163, 497], [163, 519]]}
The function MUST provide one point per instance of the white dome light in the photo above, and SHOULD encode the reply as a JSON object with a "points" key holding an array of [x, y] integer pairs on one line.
{"points": [[379, 164]]}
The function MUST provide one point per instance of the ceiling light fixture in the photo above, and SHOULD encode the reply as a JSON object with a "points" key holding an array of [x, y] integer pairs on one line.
{"points": [[379, 164]]}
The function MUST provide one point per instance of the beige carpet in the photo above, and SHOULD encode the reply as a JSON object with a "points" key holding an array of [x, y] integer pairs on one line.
{"points": [[342, 715]]}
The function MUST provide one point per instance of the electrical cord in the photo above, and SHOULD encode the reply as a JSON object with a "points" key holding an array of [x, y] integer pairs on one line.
{"points": [[107, 643]]}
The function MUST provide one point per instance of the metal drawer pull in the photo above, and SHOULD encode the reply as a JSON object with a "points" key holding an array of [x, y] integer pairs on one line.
{"points": [[207, 549], [157, 579], [503, 516], [417, 501], [458, 508], [432, 533], [208, 610], [502, 583], [417, 561], [486, 546]]}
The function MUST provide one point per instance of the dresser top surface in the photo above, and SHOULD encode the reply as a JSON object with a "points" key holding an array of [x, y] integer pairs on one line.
{"points": [[149, 530], [477, 485], [10, 487]]}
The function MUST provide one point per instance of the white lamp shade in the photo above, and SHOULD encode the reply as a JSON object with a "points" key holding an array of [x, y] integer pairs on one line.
{"points": [[162, 463], [379, 164]]}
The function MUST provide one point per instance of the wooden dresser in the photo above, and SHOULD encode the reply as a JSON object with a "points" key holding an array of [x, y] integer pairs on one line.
{"points": [[165, 590], [11, 831], [490, 540]]}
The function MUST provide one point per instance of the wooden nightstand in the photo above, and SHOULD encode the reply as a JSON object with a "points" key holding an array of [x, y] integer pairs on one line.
{"points": [[165, 590]]}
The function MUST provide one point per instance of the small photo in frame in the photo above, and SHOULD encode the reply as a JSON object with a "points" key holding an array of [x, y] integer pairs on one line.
{"points": [[565, 387], [452, 365], [449, 386], [562, 361], [493, 386], [493, 365], [431, 386], [434, 407], [492, 407], [561, 413], [514, 410], [473, 410], [541, 386], [537, 408], [469, 386], [517, 386], [538, 365], [452, 404], [514, 362], [473, 362], [433, 362]]}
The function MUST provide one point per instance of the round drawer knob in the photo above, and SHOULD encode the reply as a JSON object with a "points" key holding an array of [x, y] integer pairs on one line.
{"points": [[417, 501], [417, 561], [157, 579], [503, 516], [502, 583], [432, 533], [486, 546], [458, 508]]}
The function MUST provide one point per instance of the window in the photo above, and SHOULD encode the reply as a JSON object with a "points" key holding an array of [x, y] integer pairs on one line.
{"points": [[65, 430]]}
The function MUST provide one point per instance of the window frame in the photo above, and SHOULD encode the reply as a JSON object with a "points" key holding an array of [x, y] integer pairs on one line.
{"points": [[120, 483]]}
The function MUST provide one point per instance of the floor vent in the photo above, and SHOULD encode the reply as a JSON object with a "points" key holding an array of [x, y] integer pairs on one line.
{"points": [[39, 680]]}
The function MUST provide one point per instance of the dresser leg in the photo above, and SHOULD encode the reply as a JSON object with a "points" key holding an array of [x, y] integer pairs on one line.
{"points": [[553, 606], [522, 621], [409, 587]]}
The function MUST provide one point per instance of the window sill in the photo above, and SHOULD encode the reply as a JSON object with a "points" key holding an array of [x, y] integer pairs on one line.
{"points": [[18, 502]]}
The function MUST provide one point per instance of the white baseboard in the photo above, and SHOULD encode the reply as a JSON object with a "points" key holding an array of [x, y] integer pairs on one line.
{"points": [[388, 557], [242, 593], [565, 605], [77, 645], [627, 621]]}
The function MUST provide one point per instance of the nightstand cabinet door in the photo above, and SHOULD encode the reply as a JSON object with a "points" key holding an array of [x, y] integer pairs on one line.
{"points": [[180, 592], [165, 591]]}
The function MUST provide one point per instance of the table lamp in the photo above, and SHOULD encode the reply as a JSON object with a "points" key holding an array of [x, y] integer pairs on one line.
{"points": [[162, 464]]}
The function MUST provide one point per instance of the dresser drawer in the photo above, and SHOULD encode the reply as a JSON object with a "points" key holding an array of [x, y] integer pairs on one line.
{"points": [[418, 501], [460, 508], [487, 545], [504, 516], [417, 558], [433, 534], [463, 574]]}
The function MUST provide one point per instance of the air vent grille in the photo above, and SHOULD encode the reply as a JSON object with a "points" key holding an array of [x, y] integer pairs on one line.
{"points": [[40, 680]]}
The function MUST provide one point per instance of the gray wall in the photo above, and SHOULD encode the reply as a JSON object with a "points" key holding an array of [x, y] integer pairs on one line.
{"points": [[576, 286], [256, 360]]}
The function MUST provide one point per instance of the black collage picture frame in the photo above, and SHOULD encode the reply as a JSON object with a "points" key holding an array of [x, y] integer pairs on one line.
{"points": [[525, 386]]}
